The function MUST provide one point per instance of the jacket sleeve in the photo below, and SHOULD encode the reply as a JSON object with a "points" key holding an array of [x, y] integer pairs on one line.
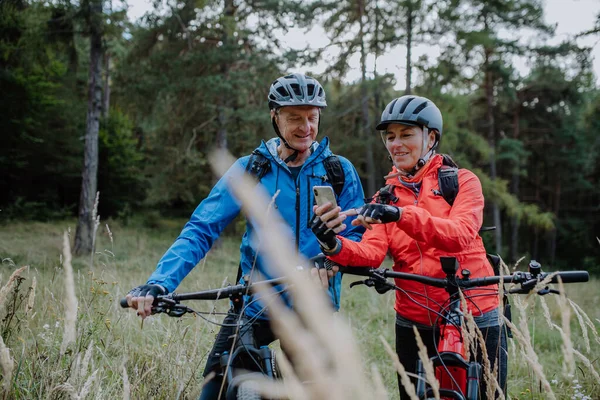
{"points": [[452, 234], [207, 222], [352, 196], [369, 252]]}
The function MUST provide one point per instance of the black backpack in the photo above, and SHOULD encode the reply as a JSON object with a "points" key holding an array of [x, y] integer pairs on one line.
{"points": [[259, 165]]}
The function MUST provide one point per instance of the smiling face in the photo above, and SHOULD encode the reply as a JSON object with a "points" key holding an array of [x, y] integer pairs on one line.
{"points": [[299, 125], [406, 144]]}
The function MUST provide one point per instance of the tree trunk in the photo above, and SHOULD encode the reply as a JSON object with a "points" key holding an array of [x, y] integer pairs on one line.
{"points": [[536, 237], [491, 136], [514, 185], [556, 210], [409, 32], [84, 237], [365, 128], [106, 91]]}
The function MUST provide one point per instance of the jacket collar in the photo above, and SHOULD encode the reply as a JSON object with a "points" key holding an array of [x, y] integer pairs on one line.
{"points": [[432, 165], [269, 150]]}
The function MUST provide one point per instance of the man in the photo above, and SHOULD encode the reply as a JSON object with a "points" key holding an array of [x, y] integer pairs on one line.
{"points": [[292, 164]]}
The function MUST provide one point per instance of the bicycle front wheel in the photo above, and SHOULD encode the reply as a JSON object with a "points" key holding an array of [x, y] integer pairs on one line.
{"points": [[247, 391]]}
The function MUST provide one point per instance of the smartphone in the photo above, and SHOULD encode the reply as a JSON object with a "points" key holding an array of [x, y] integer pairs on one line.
{"points": [[324, 194]]}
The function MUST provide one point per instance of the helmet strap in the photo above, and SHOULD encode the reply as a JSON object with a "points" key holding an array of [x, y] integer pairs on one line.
{"points": [[425, 157]]}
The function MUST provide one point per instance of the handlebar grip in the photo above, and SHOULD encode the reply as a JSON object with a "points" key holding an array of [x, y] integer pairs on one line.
{"points": [[123, 303], [572, 276], [360, 271]]}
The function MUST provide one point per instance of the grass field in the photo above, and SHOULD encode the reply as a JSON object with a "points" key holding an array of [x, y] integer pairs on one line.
{"points": [[116, 356]]}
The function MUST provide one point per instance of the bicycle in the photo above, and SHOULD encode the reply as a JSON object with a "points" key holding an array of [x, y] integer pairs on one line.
{"points": [[245, 360], [459, 379]]}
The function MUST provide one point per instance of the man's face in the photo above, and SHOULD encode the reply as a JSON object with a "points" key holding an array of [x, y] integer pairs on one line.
{"points": [[299, 125]]}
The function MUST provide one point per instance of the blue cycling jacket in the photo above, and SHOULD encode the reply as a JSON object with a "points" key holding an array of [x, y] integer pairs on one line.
{"points": [[294, 202]]}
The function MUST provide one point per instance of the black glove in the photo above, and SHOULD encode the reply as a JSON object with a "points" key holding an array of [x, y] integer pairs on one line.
{"points": [[325, 236], [144, 290], [383, 212]]}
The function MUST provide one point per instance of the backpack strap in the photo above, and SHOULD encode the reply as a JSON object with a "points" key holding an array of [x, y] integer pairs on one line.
{"points": [[335, 173], [258, 165], [448, 183]]}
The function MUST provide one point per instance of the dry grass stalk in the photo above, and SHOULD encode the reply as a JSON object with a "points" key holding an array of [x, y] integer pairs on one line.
{"points": [[489, 375], [531, 358], [65, 387], [546, 312], [467, 329], [87, 386], [83, 369], [404, 379], [321, 347], [110, 235], [291, 381], [96, 219], [567, 344], [588, 364], [581, 315], [7, 364], [126, 384], [427, 365], [70, 298], [380, 392], [9, 284], [31, 299]]}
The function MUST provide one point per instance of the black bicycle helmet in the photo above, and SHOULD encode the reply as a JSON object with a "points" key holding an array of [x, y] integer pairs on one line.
{"points": [[414, 111], [296, 90]]}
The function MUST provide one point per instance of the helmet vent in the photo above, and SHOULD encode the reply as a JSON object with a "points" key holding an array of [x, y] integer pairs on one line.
{"points": [[406, 103], [282, 91], [420, 107], [391, 106], [311, 89], [296, 88]]}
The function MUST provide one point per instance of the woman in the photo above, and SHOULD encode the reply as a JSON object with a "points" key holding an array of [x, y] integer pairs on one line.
{"points": [[413, 222]]}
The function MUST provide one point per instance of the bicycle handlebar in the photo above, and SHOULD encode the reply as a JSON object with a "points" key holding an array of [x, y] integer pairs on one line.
{"points": [[212, 294], [527, 279]]}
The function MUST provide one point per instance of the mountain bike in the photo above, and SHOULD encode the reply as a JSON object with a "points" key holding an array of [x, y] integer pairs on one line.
{"points": [[459, 378], [245, 360]]}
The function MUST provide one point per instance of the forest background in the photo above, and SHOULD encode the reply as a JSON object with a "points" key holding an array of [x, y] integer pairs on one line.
{"points": [[192, 75]]}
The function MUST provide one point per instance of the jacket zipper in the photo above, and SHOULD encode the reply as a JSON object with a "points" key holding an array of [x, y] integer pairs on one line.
{"points": [[297, 217], [309, 208], [421, 256]]}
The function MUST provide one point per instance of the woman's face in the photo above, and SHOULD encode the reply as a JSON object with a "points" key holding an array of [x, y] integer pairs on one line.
{"points": [[406, 145]]}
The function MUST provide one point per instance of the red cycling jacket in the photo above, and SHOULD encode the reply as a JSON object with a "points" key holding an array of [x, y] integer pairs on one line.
{"points": [[428, 229]]}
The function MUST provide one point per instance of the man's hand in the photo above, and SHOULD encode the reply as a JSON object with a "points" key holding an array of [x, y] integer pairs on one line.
{"points": [[375, 213], [326, 224], [322, 275], [142, 297]]}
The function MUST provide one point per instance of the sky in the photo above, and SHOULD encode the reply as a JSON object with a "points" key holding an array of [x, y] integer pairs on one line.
{"points": [[570, 16]]}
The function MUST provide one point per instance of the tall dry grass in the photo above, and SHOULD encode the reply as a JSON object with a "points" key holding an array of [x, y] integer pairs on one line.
{"points": [[114, 356]]}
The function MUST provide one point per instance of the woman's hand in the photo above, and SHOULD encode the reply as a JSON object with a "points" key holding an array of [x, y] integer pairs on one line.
{"points": [[375, 213]]}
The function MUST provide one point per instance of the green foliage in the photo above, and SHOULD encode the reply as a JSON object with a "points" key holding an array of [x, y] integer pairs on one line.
{"points": [[120, 180], [192, 74]]}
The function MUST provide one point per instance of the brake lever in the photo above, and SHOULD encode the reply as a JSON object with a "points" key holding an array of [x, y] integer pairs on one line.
{"points": [[547, 290], [381, 285], [368, 282]]}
